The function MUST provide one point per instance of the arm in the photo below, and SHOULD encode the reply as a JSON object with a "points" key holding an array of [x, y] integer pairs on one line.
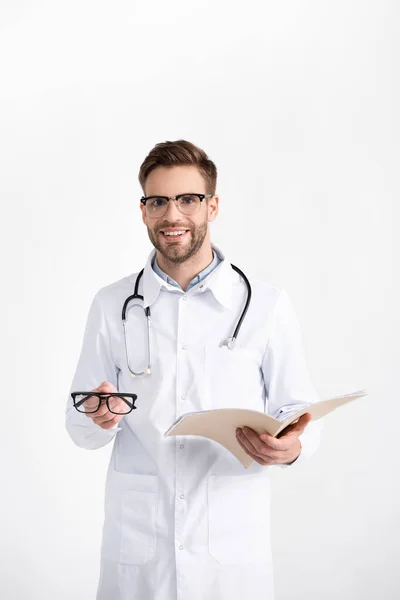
{"points": [[287, 381], [95, 365]]}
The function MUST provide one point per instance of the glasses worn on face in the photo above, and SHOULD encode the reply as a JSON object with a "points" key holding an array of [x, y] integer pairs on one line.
{"points": [[90, 402], [188, 204]]}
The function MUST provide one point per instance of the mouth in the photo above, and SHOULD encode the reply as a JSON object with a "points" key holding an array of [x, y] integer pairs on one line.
{"points": [[174, 235]]}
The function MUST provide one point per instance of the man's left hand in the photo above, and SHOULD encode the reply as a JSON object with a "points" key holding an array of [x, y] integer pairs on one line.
{"points": [[268, 450]]}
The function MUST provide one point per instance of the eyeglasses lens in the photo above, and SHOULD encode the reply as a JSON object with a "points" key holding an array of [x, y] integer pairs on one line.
{"points": [[188, 204], [87, 404], [120, 405]]}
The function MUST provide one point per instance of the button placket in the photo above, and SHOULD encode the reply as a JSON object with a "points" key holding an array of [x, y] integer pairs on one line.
{"points": [[181, 385], [184, 347]]}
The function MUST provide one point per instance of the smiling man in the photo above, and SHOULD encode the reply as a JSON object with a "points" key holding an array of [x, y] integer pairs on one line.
{"points": [[183, 518], [178, 227]]}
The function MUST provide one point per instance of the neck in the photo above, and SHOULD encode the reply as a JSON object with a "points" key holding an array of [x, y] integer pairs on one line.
{"points": [[183, 273]]}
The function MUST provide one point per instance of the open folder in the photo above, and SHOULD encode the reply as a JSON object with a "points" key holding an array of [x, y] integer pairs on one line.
{"points": [[220, 424]]}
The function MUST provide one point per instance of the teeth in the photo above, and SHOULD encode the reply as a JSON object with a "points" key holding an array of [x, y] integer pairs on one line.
{"points": [[174, 232]]}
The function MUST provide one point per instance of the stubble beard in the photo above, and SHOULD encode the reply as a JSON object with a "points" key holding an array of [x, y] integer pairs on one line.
{"points": [[174, 253]]}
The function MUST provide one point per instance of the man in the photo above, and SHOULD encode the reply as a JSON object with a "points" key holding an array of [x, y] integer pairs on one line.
{"points": [[183, 518]]}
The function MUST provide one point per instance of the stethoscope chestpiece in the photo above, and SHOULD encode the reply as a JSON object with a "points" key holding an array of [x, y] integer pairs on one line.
{"points": [[135, 375], [229, 343]]}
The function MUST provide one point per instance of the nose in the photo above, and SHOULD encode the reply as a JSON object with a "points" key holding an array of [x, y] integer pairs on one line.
{"points": [[172, 210]]}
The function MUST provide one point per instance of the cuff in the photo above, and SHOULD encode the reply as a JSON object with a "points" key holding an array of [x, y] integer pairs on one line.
{"points": [[309, 440]]}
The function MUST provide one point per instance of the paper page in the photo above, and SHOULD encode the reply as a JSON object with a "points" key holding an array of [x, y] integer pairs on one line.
{"points": [[322, 408]]}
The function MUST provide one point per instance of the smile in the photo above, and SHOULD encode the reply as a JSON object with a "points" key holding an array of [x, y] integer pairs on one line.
{"points": [[175, 234]]}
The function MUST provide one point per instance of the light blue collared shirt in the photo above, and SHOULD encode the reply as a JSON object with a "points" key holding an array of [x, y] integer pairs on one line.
{"points": [[195, 280]]}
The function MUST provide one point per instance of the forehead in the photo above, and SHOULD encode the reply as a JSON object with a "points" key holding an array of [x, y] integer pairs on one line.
{"points": [[170, 181]]}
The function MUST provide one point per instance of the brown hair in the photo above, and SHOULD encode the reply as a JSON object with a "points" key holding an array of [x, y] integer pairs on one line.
{"points": [[180, 152]]}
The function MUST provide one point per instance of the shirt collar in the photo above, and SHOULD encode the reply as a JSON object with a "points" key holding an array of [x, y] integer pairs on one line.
{"points": [[219, 281], [196, 279]]}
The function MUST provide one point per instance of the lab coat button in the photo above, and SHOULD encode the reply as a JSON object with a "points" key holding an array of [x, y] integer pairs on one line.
{"points": [[180, 547], [184, 346], [182, 496], [183, 397], [183, 297], [181, 446]]}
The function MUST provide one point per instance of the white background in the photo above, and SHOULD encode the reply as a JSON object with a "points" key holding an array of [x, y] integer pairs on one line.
{"points": [[297, 104]]}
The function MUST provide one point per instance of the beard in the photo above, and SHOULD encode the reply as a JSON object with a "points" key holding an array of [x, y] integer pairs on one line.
{"points": [[179, 253]]}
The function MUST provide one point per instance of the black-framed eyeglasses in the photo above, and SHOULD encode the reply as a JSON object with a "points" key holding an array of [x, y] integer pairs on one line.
{"points": [[90, 402], [188, 204]]}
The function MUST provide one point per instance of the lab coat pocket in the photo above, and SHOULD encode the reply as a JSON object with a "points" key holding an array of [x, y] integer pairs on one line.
{"points": [[239, 518], [129, 535]]}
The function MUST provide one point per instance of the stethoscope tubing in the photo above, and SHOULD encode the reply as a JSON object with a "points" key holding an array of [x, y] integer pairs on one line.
{"points": [[230, 342]]}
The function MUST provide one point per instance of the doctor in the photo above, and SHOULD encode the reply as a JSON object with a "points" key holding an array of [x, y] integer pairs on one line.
{"points": [[183, 519]]}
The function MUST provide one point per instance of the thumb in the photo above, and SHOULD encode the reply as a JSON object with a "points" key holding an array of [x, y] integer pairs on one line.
{"points": [[297, 427], [306, 418], [105, 387], [303, 421]]}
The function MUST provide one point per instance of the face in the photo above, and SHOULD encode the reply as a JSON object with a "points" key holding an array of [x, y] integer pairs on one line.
{"points": [[171, 181]]}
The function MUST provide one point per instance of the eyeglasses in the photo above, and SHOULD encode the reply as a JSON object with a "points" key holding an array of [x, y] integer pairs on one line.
{"points": [[188, 204], [90, 402]]}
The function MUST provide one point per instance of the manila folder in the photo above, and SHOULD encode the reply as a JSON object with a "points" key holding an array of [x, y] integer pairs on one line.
{"points": [[220, 424]]}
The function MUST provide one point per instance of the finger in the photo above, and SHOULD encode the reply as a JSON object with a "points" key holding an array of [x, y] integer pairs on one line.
{"points": [[109, 424], [105, 387], [103, 414], [89, 403], [247, 436], [101, 410], [265, 445], [117, 408], [107, 417], [117, 404], [305, 419], [280, 444], [252, 442], [261, 461], [295, 429], [298, 427]]}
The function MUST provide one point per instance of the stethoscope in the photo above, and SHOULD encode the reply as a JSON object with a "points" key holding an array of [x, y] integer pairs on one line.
{"points": [[229, 342]]}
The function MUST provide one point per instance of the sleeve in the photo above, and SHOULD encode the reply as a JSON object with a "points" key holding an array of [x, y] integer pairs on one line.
{"points": [[287, 381], [95, 365]]}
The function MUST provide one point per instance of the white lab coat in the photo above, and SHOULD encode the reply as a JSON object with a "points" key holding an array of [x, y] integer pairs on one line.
{"points": [[184, 520]]}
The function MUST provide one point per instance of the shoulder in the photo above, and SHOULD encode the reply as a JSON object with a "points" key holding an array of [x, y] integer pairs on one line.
{"points": [[273, 303], [114, 294], [266, 295], [277, 302]]}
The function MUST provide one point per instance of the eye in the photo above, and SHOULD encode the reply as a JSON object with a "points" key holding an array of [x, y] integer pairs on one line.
{"points": [[189, 199], [156, 201]]}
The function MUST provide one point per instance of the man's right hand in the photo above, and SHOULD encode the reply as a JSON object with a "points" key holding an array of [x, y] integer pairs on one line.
{"points": [[103, 417]]}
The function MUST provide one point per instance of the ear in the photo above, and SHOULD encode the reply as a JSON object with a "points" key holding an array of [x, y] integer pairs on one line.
{"points": [[212, 207], [144, 214]]}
